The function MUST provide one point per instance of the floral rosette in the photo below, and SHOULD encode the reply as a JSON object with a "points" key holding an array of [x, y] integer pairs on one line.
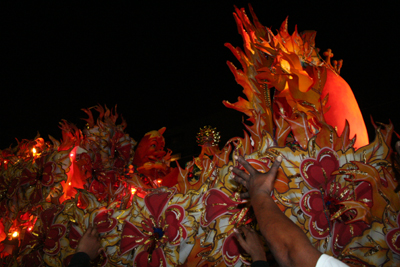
{"points": [[160, 231]]}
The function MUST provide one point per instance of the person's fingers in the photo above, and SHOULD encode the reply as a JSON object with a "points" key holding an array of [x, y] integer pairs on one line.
{"points": [[241, 174], [89, 230], [245, 230], [244, 195], [246, 165], [241, 181], [242, 242], [275, 166], [94, 231]]}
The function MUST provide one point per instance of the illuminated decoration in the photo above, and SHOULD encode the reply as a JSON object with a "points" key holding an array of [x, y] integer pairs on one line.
{"points": [[150, 214], [208, 135]]}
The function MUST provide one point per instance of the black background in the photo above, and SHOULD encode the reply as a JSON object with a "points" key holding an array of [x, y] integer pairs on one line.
{"points": [[164, 63]]}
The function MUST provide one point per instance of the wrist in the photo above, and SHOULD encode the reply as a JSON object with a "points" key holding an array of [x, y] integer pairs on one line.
{"points": [[258, 258], [259, 193]]}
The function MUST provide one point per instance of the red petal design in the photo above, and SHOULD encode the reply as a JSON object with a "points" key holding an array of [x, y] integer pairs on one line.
{"points": [[33, 259], [174, 215], [74, 237], [312, 205], [217, 204], [104, 222], [393, 237], [343, 233], [231, 250], [52, 243], [364, 194], [317, 172], [47, 177], [48, 215], [131, 237], [156, 202], [29, 240]]}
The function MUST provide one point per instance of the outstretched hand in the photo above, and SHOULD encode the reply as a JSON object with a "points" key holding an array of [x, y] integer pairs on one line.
{"points": [[251, 243], [90, 243], [255, 181]]}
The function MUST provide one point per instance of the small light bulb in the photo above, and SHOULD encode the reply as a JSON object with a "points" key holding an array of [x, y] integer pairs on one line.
{"points": [[15, 234], [159, 181], [34, 151], [133, 190]]}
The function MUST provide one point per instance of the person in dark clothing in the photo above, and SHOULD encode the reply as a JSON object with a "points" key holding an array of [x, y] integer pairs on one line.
{"points": [[88, 249]]}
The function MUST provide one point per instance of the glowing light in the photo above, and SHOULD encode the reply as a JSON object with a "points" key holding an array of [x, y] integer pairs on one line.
{"points": [[133, 190], [159, 181], [15, 234], [69, 183], [285, 65], [30, 228], [71, 155], [34, 151]]}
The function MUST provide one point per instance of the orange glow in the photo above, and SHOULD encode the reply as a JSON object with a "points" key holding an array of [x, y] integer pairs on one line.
{"points": [[15, 234], [34, 151], [133, 190], [30, 228], [159, 181], [344, 107], [69, 183], [71, 155]]}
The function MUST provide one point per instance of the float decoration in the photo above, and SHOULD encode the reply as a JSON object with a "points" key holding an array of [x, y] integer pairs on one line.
{"points": [[338, 188]]}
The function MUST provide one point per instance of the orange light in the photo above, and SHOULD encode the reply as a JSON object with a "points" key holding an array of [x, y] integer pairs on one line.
{"points": [[159, 181], [30, 228], [69, 183], [71, 155], [15, 234], [34, 151], [133, 190]]}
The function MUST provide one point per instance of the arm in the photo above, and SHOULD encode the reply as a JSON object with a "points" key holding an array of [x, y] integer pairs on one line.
{"points": [[89, 248], [287, 242]]}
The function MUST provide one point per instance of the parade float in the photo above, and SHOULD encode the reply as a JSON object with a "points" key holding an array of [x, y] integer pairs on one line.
{"points": [[334, 184]]}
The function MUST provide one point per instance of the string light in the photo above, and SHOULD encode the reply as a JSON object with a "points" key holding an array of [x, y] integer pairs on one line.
{"points": [[34, 151], [15, 234], [133, 190]]}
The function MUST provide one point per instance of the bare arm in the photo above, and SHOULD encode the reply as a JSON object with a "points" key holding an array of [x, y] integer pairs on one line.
{"points": [[286, 240]]}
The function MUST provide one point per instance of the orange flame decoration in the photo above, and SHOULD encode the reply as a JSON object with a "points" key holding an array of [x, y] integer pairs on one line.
{"points": [[94, 176]]}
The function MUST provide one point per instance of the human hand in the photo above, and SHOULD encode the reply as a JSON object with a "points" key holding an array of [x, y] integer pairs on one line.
{"points": [[256, 182], [252, 244], [90, 243]]}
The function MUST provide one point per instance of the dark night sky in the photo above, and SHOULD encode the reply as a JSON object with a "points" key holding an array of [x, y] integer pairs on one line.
{"points": [[165, 64]]}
